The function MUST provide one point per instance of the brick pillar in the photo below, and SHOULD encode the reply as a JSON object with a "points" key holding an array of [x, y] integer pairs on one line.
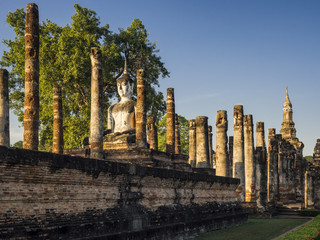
{"points": [[177, 146], [260, 135], [4, 109], [96, 119], [202, 141], [192, 143], [152, 133], [238, 151], [249, 159], [271, 163], [210, 146], [222, 168], [230, 155], [57, 143], [308, 189], [141, 117], [31, 98], [170, 121], [261, 166]]}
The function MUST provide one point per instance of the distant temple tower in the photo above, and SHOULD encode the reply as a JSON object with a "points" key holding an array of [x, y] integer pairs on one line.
{"points": [[288, 130], [316, 154]]}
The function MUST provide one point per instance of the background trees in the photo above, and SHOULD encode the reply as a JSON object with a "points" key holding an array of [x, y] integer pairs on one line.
{"points": [[184, 134], [64, 60]]}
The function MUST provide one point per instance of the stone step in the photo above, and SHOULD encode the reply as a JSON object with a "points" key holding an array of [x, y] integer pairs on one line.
{"points": [[291, 217], [288, 213], [287, 210]]}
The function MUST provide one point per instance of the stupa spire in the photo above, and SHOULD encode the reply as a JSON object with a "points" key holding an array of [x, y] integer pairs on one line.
{"points": [[287, 99]]}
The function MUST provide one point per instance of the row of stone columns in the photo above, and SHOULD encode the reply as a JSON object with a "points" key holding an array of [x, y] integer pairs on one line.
{"points": [[243, 161], [200, 143]]}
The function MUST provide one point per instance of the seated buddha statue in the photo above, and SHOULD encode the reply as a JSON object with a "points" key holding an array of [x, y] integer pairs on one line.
{"points": [[121, 116]]}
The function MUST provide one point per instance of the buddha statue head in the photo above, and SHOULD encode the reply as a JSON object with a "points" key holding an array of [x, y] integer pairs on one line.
{"points": [[125, 87]]}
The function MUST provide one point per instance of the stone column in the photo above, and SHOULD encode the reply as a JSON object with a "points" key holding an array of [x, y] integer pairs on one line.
{"points": [[170, 121], [152, 133], [177, 146], [230, 155], [57, 143], [238, 151], [31, 89], [250, 167], [192, 143], [261, 166], [271, 163], [4, 109], [96, 119], [260, 135], [210, 146], [202, 141], [141, 138], [222, 167], [308, 189]]}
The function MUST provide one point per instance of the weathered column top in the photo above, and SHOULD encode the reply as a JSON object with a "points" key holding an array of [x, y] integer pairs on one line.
{"points": [[248, 122], [192, 124], [238, 115], [272, 132], [222, 119], [170, 93], [260, 127], [201, 120]]}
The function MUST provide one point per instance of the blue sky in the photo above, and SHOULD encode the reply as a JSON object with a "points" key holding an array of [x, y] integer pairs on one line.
{"points": [[221, 53]]}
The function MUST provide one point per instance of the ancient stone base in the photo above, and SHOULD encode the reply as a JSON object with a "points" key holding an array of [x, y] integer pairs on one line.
{"points": [[126, 140], [52, 196], [128, 222]]}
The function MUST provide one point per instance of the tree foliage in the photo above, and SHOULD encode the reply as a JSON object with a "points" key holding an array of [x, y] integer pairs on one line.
{"points": [[309, 158], [184, 134], [64, 60]]}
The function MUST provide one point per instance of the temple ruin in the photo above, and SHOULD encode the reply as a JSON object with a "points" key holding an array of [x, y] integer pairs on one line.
{"points": [[120, 186]]}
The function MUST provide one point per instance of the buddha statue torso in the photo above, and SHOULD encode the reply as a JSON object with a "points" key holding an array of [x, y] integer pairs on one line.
{"points": [[121, 116]]}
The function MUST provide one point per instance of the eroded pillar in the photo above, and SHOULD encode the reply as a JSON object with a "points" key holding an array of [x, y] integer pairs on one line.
{"points": [[170, 132], [152, 133], [308, 190], [96, 119], [57, 141], [177, 147], [202, 141], [230, 155], [4, 109], [210, 146], [222, 168], [249, 159], [31, 98], [141, 137], [238, 151], [192, 143], [261, 166], [271, 163]]}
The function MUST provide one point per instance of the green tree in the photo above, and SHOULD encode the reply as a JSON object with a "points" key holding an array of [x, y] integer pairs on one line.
{"points": [[309, 158], [64, 60], [18, 144], [184, 134]]}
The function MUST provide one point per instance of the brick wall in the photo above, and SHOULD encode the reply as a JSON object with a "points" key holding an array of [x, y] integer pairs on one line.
{"points": [[45, 195]]}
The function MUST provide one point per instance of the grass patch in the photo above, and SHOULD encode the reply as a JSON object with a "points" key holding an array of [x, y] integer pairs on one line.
{"points": [[261, 228], [309, 231]]}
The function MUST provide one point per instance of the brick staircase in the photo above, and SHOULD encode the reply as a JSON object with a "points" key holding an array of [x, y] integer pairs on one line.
{"points": [[288, 211]]}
